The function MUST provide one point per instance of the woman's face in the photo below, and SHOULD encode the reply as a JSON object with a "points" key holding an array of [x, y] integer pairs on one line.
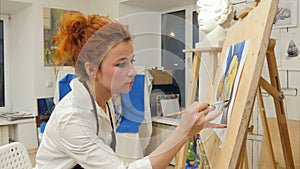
{"points": [[117, 72]]}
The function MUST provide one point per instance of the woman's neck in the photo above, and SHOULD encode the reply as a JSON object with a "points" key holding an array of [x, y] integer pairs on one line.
{"points": [[99, 93]]}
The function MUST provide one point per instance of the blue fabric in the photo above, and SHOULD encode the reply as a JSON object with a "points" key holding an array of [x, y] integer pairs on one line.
{"points": [[64, 85], [42, 127], [133, 107]]}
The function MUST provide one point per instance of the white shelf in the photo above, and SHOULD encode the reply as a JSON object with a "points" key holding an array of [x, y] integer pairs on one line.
{"points": [[166, 120], [4, 121]]}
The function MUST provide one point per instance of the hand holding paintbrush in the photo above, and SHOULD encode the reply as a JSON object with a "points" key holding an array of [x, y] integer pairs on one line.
{"points": [[196, 117], [213, 107]]}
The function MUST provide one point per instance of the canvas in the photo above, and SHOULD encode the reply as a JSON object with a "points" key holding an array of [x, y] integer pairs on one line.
{"points": [[227, 83]]}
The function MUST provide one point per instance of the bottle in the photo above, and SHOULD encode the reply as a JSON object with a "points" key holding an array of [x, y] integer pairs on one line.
{"points": [[190, 156]]}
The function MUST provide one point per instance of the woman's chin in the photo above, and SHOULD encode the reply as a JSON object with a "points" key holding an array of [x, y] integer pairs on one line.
{"points": [[123, 90]]}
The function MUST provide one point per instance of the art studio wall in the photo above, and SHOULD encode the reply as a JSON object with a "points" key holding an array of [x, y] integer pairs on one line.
{"points": [[29, 79]]}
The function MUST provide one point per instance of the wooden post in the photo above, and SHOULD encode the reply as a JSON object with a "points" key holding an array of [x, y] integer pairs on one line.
{"points": [[243, 160], [213, 54], [266, 127], [181, 155], [280, 113]]}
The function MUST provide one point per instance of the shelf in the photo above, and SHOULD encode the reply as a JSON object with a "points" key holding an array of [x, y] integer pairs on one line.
{"points": [[208, 49], [5, 122]]}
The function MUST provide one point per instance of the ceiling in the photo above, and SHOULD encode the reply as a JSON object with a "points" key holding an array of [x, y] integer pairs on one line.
{"points": [[11, 6], [158, 5]]}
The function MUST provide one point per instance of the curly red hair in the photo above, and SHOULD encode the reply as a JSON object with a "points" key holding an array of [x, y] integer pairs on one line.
{"points": [[88, 37]]}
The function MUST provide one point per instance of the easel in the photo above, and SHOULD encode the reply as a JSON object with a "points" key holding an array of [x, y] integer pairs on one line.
{"points": [[274, 89], [232, 154], [213, 54]]}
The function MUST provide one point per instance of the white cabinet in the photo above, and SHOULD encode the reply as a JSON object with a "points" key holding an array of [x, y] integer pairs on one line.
{"points": [[23, 131], [162, 128]]}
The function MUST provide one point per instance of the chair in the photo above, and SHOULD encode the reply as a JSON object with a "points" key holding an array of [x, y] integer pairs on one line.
{"points": [[14, 156]]}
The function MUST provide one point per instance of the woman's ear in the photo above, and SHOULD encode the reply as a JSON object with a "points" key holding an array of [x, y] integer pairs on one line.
{"points": [[91, 69]]}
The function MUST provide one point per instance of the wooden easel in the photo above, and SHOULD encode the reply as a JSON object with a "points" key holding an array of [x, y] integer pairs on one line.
{"points": [[213, 64], [213, 54], [232, 154], [274, 89]]}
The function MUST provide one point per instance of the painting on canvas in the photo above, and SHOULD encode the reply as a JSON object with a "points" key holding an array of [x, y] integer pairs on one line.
{"points": [[228, 79]]}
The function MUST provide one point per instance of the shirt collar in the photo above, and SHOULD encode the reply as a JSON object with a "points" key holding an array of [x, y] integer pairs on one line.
{"points": [[82, 97]]}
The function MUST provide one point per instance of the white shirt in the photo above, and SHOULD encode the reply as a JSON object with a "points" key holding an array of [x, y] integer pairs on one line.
{"points": [[70, 136]]}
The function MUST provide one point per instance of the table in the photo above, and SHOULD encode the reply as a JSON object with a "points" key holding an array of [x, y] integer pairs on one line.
{"points": [[23, 131]]}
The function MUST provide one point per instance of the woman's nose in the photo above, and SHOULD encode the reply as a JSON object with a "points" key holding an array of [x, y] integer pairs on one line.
{"points": [[132, 72]]}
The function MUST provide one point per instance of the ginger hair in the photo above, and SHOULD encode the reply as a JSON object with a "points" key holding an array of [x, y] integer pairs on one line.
{"points": [[81, 39]]}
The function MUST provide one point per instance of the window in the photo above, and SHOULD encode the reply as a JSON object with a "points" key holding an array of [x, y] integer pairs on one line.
{"points": [[173, 42], [4, 63], [2, 92]]}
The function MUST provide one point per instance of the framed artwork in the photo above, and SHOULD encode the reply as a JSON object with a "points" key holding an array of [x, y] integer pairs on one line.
{"points": [[51, 22], [45, 107], [286, 15], [167, 103], [289, 49]]}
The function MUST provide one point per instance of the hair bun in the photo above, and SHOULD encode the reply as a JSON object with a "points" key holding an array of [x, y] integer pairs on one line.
{"points": [[75, 25]]}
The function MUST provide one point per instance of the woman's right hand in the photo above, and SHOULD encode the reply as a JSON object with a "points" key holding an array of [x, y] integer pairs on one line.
{"points": [[195, 119]]}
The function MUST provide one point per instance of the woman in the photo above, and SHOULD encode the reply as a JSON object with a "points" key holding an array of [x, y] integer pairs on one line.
{"points": [[81, 130]]}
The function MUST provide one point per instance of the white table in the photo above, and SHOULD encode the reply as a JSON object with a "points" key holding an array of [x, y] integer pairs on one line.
{"points": [[23, 131]]}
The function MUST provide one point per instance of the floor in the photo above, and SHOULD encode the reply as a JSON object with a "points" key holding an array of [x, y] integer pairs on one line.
{"points": [[32, 154]]}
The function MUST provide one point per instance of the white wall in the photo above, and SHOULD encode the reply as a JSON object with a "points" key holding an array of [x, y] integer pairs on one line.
{"points": [[29, 80], [28, 76], [145, 27], [104, 7]]}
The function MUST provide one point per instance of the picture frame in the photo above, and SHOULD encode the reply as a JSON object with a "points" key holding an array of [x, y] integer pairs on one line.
{"points": [[45, 106], [286, 15], [51, 22], [167, 99]]}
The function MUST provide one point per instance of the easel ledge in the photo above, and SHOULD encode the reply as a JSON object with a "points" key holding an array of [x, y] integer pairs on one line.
{"points": [[210, 49]]}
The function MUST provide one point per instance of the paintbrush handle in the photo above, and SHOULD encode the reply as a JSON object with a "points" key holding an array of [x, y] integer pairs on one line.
{"points": [[177, 113], [184, 111]]}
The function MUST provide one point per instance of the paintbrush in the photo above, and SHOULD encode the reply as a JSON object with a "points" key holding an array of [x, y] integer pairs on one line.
{"points": [[184, 111]]}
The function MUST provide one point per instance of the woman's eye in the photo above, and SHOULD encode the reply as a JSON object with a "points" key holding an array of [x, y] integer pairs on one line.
{"points": [[132, 60], [121, 64]]}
